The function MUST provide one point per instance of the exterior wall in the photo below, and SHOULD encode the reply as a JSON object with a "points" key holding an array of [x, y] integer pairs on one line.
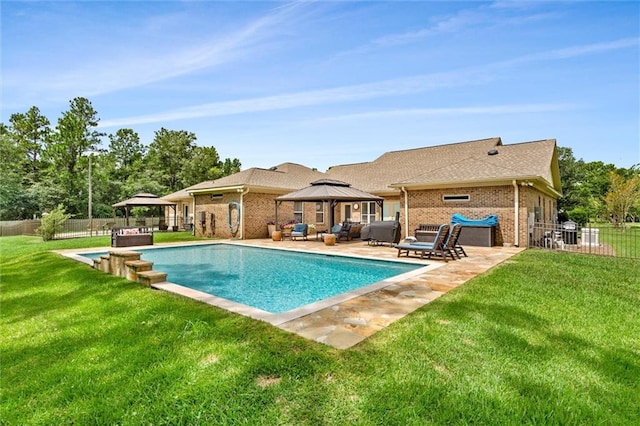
{"points": [[215, 210], [180, 220], [427, 206], [543, 209]]}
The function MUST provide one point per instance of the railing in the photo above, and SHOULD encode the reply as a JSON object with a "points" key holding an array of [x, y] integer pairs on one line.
{"points": [[600, 238], [75, 228]]}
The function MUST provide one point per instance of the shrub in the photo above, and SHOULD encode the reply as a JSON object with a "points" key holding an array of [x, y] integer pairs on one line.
{"points": [[578, 215], [52, 223]]}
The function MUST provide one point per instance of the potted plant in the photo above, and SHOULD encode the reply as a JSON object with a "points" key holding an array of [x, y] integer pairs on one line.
{"points": [[287, 227]]}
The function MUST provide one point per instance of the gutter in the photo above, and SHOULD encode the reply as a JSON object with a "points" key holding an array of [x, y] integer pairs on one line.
{"points": [[406, 212]]}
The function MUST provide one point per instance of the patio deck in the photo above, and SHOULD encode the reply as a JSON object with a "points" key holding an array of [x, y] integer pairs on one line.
{"points": [[345, 324]]}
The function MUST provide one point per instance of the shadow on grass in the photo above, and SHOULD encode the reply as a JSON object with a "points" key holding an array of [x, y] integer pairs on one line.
{"points": [[100, 348]]}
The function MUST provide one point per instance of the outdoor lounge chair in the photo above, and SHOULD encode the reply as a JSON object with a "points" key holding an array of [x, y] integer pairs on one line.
{"points": [[452, 244], [437, 248], [343, 232], [299, 231]]}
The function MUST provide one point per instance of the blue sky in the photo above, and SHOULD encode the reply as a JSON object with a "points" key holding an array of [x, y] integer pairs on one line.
{"points": [[326, 83]]}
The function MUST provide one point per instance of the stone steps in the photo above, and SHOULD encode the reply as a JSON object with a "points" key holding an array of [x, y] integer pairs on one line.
{"points": [[151, 277]]}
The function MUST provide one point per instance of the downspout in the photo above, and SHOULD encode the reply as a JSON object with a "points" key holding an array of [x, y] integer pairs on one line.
{"points": [[193, 212], [406, 212], [242, 211], [516, 208]]}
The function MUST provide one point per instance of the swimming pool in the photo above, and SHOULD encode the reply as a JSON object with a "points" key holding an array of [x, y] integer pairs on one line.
{"points": [[271, 280]]}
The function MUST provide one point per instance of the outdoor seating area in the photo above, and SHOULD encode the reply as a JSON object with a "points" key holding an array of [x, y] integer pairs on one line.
{"points": [[130, 236], [444, 246]]}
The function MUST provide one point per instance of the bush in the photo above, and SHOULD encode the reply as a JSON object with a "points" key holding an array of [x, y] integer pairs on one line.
{"points": [[52, 223], [578, 215]]}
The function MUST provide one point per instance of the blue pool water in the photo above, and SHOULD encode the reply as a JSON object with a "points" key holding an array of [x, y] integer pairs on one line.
{"points": [[275, 281]]}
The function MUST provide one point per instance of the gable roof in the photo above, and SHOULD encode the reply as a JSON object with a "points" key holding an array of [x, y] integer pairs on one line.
{"points": [[533, 161], [455, 165], [463, 163], [282, 178], [399, 166]]}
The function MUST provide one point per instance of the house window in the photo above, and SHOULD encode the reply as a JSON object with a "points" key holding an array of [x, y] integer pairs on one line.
{"points": [[456, 197], [297, 211], [368, 214], [389, 210], [319, 212]]}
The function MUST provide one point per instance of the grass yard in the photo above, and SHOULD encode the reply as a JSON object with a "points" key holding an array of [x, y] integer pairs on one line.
{"points": [[546, 338], [625, 241]]}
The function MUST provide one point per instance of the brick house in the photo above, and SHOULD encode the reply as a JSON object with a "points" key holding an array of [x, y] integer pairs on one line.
{"points": [[520, 183]]}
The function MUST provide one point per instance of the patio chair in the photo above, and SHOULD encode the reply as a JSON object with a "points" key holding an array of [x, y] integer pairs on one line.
{"points": [[343, 232], [452, 244], [299, 231], [437, 248]]}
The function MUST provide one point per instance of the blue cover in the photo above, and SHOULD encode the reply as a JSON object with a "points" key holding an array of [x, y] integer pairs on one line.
{"points": [[491, 220]]}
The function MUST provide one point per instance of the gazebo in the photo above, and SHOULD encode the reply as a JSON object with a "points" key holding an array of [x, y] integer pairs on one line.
{"points": [[143, 200], [330, 191]]}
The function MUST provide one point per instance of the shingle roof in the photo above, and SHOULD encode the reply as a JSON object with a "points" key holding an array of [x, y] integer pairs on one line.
{"points": [[443, 164], [284, 177], [523, 160], [399, 166]]}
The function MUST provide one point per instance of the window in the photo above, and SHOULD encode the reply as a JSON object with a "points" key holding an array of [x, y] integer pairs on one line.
{"points": [[368, 214], [389, 210], [297, 211], [454, 198], [319, 212]]}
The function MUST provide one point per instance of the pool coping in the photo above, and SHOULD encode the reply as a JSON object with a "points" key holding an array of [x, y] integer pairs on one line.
{"points": [[343, 324], [250, 311]]}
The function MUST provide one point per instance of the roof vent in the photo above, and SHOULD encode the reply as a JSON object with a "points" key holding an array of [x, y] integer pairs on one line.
{"points": [[493, 152], [273, 168]]}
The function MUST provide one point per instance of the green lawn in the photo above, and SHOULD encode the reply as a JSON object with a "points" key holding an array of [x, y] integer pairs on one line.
{"points": [[547, 338], [624, 240]]}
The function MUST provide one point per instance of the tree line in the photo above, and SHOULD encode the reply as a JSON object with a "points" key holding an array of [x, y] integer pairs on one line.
{"points": [[43, 166], [597, 191]]}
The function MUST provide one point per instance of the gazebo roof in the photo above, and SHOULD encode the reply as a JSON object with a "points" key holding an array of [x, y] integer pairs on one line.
{"points": [[143, 199], [329, 189]]}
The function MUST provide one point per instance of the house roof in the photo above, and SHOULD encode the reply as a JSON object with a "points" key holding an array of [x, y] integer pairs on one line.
{"points": [[282, 178], [530, 160], [467, 163], [455, 164], [398, 166]]}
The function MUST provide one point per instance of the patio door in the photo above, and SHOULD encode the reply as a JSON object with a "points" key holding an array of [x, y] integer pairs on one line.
{"points": [[368, 213]]}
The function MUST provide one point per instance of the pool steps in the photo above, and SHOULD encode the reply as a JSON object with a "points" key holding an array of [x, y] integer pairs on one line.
{"points": [[127, 264]]}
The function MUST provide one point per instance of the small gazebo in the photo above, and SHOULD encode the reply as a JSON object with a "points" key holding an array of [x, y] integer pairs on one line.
{"points": [[330, 191], [143, 200]]}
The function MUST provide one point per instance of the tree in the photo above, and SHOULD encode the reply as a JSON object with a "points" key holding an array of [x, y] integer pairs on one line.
{"points": [[231, 166], [167, 156], [30, 132], [623, 194], [74, 136], [127, 153], [204, 164]]}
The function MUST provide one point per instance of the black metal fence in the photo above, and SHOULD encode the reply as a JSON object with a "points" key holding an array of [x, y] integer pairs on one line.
{"points": [[75, 228], [600, 238]]}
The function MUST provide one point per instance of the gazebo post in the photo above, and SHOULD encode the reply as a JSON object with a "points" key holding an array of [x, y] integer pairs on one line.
{"points": [[276, 214]]}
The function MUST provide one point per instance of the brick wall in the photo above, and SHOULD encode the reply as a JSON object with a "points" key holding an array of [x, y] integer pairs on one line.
{"points": [[427, 206]]}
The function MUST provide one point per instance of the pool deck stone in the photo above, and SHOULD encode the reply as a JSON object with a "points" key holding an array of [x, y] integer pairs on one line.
{"points": [[345, 323], [348, 323]]}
